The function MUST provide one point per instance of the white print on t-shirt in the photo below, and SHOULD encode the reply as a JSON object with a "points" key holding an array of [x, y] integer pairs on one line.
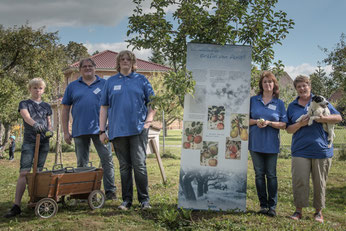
{"points": [[96, 91], [272, 107], [117, 87]]}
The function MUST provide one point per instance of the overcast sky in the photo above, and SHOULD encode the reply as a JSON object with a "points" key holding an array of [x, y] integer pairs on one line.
{"points": [[102, 24]]}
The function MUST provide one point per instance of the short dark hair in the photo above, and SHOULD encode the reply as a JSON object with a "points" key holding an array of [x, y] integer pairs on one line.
{"points": [[86, 60]]}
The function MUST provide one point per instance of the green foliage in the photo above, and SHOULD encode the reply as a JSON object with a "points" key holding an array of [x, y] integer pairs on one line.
{"points": [[321, 84], [252, 22], [337, 58], [25, 53], [75, 52]]}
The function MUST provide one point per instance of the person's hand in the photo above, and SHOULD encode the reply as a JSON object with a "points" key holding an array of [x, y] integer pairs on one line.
{"points": [[38, 128], [321, 119], [304, 121], [49, 134], [104, 138], [147, 124], [261, 123], [67, 138]]}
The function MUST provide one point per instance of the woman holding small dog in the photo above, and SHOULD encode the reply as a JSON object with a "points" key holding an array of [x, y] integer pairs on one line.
{"points": [[267, 117], [310, 152]]}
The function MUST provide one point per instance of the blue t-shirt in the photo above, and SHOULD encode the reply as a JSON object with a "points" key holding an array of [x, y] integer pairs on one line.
{"points": [[266, 140], [127, 98], [309, 141], [85, 101], [39, 113]]}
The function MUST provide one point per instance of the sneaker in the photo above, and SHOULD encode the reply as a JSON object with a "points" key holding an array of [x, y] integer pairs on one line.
{"points": [[145, 205], [271, 213], [125, 205], [15, 210], [111, 195], [263, 211], [318, 217], [296, 216]]}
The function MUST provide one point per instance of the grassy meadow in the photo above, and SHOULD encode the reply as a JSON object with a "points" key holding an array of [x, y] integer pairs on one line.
{"points": [[164, 215]]}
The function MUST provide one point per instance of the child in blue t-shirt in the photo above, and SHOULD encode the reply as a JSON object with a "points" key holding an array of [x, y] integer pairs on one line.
{"points": [[36, 115], [12, 147]]}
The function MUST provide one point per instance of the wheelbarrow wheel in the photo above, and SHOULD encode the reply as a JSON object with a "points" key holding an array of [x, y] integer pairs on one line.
{"points": [[46, 208], [96, 199]]}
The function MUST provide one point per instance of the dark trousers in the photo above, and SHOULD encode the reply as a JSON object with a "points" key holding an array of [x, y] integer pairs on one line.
{"points": [[131, 153]]}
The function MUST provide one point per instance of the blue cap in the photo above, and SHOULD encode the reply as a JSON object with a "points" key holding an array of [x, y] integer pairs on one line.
{"points": [[13, 137]]}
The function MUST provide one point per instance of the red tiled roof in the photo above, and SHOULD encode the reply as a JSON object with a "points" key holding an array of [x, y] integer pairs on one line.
{"points": [[106, 60]]}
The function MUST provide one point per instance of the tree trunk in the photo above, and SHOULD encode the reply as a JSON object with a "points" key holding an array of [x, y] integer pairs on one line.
{"points": [[6, 135]]}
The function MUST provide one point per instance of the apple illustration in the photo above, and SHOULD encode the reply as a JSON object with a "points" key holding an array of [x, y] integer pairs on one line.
{"points": [[213, 150], [212, 162], [233, 148], [190, 138], [233, 155], [186, 145], [214, 118], [197, 139], [220, 126]]}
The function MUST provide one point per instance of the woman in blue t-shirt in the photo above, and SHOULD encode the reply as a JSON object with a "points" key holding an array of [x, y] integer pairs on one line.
{"points": [[310, 151], [267, 117]]}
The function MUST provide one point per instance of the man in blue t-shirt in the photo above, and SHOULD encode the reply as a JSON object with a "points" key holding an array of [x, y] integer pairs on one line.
{"points": [[84, 96]]}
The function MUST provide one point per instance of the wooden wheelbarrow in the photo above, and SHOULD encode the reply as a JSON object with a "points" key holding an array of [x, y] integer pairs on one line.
{"points": [[47, 188]]}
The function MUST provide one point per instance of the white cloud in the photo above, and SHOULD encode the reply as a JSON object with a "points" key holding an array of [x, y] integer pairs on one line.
{"points": [[92, 47], [64, 12], [304, 69]]}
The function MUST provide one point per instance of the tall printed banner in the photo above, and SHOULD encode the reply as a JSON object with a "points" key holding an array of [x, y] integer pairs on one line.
{"points": [[215, 135]]}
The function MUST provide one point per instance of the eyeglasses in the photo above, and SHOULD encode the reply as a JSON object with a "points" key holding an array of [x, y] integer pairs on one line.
{"points": [[88, 66]]}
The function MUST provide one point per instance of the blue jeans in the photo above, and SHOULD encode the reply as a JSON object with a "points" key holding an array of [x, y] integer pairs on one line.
{"points": [[82, 147], [266, 179], [131, 153], [27, 155]]}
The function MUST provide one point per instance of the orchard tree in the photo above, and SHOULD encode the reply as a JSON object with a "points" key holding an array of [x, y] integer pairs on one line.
{"points": [[75, 52], [321, 84], [337, 58], [245, 22], [27, 53]]}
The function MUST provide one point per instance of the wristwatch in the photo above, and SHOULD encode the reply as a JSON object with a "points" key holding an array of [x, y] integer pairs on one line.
{"points": [[101, 132]]}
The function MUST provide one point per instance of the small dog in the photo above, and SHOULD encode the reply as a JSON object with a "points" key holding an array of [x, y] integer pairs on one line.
{"points": [[318, 107]]}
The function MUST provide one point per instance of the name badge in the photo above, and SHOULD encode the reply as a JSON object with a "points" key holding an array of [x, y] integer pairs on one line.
{"points": [[272, 107], [96, 91], [117, 88]]}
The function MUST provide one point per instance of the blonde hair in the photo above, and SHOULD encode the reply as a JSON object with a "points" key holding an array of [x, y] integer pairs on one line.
{"points": [[301, 79], [132, 57], [36, 82]]}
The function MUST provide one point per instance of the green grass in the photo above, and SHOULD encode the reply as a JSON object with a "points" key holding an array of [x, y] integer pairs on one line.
{"points": [[164, 215]]}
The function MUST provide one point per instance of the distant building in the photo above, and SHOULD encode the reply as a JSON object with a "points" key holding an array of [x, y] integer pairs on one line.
{"points": [[106, 67]]}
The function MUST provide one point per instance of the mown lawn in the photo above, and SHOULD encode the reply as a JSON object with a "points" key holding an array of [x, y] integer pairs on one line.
{"points": [[164, 215]]}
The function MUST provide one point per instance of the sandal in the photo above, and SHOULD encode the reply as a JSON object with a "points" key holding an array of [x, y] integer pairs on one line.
{"points": [[318, 217], [296, 216]]}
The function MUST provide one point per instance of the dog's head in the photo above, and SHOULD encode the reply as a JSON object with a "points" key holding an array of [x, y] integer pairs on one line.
{"points": [[320, 100]]}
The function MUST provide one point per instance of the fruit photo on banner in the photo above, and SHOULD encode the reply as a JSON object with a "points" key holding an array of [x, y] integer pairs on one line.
{"points": [[233, 149], [239, 126], [192, 136], [216, 116], [209, 153]]}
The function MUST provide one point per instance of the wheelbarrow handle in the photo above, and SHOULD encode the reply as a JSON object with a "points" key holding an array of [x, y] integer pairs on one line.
{"points": [[37, 148]]}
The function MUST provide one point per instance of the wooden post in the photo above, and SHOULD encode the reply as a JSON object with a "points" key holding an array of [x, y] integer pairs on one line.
{"points": [[159, 161]]}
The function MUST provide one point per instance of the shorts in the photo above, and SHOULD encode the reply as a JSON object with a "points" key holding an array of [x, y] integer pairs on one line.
{"points": [[27, 156]]}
